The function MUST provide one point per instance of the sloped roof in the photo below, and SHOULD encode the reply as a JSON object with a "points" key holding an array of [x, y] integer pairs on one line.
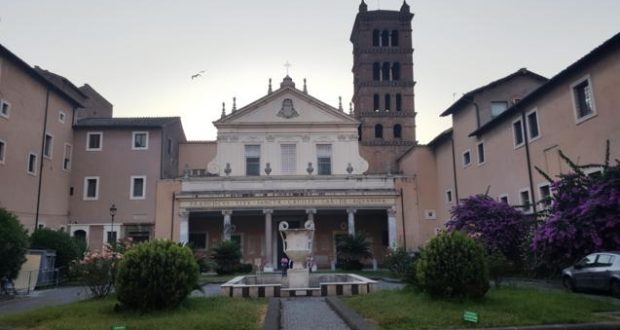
{"points": [[128, 122], [63, 83], [608, 46], [467, 97]]}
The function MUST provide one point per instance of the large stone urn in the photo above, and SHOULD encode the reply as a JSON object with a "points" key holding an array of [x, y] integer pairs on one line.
{"points": [[298, 246]]}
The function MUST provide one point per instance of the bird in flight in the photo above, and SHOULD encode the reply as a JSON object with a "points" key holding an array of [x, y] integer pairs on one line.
{"points": [[197, 75]]}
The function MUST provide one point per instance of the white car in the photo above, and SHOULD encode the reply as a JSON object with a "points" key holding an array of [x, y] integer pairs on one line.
{"points": [[597, 271]]}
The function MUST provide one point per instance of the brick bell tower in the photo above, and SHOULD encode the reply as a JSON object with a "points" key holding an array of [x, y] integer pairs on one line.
{"points": [[383, 85]]}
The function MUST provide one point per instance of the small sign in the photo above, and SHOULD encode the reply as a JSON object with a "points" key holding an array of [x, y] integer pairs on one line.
{"points": [[469, 316], [119, 327]]}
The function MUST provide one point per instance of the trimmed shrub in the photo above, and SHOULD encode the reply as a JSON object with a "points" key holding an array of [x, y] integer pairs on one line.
{"points": [[66, 247], [453, 265], [13, 244], [401, 264], [227, 256], [352, 249], [155, 275]]}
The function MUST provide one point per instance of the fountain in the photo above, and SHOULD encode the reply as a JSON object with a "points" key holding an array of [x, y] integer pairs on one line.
{"points": [[298, 282], [298, 246]]}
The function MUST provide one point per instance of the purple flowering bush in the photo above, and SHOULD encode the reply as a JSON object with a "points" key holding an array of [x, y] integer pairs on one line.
{"points": [[584, 218], [498, 226]]}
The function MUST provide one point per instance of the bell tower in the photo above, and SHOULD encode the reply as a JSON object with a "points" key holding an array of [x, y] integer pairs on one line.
{"points": [[383, 85]]}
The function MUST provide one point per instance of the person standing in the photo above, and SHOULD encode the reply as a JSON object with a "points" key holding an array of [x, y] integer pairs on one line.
{"points": [[284, 265]]}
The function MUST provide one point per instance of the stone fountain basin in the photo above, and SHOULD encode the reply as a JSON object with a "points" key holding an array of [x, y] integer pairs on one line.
{"points": [[274, 285]]}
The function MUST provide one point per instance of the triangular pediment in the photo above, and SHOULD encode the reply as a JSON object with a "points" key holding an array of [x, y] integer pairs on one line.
{"points": [[285, 106]]}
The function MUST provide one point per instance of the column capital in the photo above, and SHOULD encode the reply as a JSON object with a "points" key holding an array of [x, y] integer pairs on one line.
{"points": [[351, 210], [267, 211], [310, 211], [391, 211], [227, 212]]}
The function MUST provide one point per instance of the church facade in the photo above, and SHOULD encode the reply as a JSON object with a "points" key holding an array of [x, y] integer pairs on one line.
{"points": [[291, 157]]}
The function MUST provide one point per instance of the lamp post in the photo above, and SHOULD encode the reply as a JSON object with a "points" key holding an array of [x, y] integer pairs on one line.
{"points": [[113, 210]]}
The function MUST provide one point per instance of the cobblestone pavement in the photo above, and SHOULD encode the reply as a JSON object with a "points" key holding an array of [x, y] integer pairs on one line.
{"points": [[309, 313]]}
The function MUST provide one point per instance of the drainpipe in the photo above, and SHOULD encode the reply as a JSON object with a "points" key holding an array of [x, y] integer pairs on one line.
{"points": [[529, 162], [36, 217], [402, 215], [174, 195], [456, 185]]}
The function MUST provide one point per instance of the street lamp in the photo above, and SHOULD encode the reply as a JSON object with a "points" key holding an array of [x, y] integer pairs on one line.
{"points": [[113, 210]]}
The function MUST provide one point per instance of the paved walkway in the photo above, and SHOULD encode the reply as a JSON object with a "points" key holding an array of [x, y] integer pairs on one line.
{"points": [[310, 314], [43, 298]]}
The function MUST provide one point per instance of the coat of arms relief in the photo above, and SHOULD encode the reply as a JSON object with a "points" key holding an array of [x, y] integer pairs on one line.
{"points": [[288, 110]]}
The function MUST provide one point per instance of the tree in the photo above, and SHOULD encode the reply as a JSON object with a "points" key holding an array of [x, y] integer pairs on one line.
{"points": [[13, 244], [66, 247], [498, 226], [584, 217], [352, 249]]}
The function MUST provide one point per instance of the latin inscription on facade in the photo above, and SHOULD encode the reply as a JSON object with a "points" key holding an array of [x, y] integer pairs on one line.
{"points": [[233, 203]]}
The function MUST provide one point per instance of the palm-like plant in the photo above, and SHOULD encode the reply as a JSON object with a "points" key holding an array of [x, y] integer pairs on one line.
{"points": [[352, 249]]}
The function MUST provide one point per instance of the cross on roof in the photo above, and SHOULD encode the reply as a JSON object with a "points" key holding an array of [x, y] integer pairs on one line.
{"points": [[287, 65]]}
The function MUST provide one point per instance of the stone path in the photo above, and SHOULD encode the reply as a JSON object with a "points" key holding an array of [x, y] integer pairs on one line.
{"points": [[309, 313]]}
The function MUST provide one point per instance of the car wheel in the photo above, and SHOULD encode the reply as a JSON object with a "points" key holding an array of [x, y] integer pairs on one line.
{"points": [[568, 284], [615, 288]]}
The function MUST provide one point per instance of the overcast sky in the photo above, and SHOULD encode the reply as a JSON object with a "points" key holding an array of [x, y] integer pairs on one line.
{"points": [[140, 54]]}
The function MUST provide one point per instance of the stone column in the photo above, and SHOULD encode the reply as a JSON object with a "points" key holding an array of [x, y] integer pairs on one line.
{"points": [[311, 213], [391, 213], [351, 221], [268, 266], [183, 226], [227, 225]]}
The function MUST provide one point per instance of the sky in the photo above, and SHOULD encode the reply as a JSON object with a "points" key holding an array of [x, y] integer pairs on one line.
{"points": [[140, 54]]}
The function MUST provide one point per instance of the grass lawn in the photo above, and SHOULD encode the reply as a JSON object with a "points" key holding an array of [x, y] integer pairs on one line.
{"points": [[408, 309], [195, 313]]}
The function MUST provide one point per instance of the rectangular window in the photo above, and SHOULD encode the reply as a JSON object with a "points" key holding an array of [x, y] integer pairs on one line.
{"points": [[289, 158], [324, 159], [388, 102], [48, 145], [111, 236], [138, 187], [375, 102], [532, 125], [91, 188], [526, 202], [169, 146], [583, 99], [252, 159], [497, 107], [517, 130], [94, 141], [481, 156], [399, 102], [449, 196], [66, 163], [61, 117], [5, 109], [545, 195], [503, 199], [2, 151], [140, 141], [32, 164], [467, 158]]}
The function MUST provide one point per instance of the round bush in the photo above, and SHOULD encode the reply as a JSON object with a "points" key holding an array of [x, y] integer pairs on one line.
{"points": [[156, 275], [13, 244], [227, 256], [453, 265]]}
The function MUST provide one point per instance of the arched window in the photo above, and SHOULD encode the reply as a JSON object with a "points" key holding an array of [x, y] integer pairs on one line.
{"points": [[398, 131], [385, 71], [375, 38], [378, 131], [385, 38], [80, 235], [388, 102], [396, 71], [394, 38], [375, 102], [399, 102], [376, 71]]}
